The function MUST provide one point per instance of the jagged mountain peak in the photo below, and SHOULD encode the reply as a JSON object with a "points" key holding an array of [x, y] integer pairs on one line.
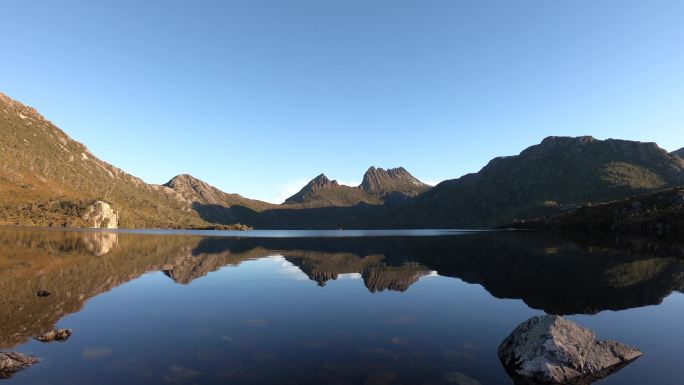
{"points": [[379, 181], [322, 181], [321, 191], [377, 186]]}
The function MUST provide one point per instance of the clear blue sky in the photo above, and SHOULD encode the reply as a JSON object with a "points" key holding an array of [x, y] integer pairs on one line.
{"points": [[257, 96]]}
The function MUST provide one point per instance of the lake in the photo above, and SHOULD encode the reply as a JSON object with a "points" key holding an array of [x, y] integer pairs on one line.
{"points": [[334, 307]]}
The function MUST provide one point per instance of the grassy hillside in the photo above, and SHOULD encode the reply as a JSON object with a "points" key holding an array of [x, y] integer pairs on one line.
{"points": [[45, 177]]}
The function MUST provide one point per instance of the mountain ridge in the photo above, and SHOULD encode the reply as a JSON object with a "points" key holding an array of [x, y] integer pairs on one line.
{"points": [[559, 173], [377, 184], [48, 179]]}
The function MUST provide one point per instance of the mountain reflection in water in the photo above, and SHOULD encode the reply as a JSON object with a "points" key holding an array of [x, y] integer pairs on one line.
{"points": [[550, 273]]}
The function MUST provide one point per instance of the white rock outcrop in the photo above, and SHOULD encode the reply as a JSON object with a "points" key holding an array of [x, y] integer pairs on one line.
{"points": [[100, 215], [552, 349]]}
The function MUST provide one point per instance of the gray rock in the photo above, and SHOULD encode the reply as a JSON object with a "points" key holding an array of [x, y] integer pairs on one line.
{"points": [[55, 335], [12, 362], [553, 349]]}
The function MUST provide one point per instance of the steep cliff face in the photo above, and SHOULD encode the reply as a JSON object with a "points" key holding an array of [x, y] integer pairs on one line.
{"points": [[378, 181]]}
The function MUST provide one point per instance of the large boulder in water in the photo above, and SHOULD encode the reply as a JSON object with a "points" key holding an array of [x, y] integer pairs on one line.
{"points": [[552, 349]]}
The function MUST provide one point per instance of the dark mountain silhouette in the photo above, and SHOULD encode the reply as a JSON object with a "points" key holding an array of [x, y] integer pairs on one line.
{"points": [[660, 213], [679, 153], [560, 173]]}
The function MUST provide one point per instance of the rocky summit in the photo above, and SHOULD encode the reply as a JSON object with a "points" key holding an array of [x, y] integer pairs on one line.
{"points": [[552, 349], [323, 192], [378, 186], [379, 181]]}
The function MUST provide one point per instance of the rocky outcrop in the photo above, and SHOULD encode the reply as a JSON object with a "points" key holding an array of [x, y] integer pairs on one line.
{"points": [[679, 153], [552, 349], [12, 362], [100, 215], [57, 335]]}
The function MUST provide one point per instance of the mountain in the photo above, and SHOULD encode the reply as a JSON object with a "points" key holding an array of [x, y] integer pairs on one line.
{"points": [[558, 174], [679, 153], [321, 192], [378, 186], [214, 205], [48, 179], [378, 181]]}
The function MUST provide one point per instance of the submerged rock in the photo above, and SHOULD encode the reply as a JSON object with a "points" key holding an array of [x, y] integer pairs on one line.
{"points": [[59, 335], [12, 362], [553, 349]]}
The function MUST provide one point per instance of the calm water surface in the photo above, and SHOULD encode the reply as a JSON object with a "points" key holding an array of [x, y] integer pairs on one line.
{"points": [[409, 307]]}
